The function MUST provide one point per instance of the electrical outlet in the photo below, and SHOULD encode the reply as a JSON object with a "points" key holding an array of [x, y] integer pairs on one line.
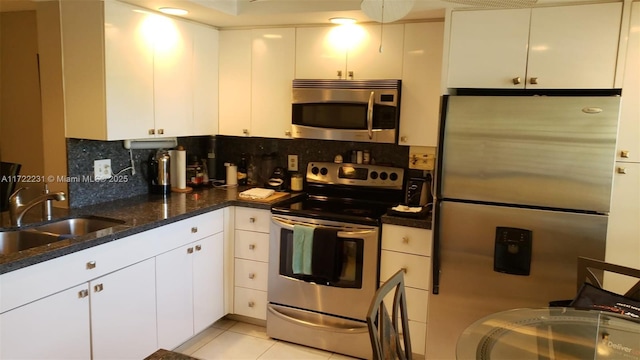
{"points": [[102, 169], [292, 163], [422, 157]]}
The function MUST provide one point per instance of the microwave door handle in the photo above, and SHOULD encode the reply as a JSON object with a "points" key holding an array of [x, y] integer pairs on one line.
{"points": [[370, 115]]}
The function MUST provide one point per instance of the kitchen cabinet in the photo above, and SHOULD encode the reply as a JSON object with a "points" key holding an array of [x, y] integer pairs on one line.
{"points": [[259, 64], [421, 73], [349, 52], [623, 230], [251, 244], [410, 249], [190, 284], [563, 47], [130, 73]]}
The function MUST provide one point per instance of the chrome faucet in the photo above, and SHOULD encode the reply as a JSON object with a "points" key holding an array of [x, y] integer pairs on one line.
{"points": [[17, 208]]}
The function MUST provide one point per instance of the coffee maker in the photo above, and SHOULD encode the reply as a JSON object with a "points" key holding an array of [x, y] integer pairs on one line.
{"points": [[159, 172]]}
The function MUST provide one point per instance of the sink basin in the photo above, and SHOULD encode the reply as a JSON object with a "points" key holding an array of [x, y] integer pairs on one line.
{"points": [[14, 241], [79, 226]]}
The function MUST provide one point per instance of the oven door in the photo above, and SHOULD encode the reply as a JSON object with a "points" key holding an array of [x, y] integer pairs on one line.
{"points": [[348, 294]]}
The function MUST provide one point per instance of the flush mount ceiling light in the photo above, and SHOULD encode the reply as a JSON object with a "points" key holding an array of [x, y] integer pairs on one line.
{"points": [[385, 11], [342, 20], [173, 11]]}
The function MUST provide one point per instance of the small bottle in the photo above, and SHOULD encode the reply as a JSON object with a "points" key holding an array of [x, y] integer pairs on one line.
{"points": [[242, 170], [251, 175]]}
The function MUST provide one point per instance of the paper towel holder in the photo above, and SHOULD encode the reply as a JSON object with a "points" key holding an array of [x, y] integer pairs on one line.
{"points": [[160, 143]]}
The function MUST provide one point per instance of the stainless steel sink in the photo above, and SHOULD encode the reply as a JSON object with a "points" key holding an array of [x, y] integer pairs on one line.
{"points": [[14, 241], [79, 226]]}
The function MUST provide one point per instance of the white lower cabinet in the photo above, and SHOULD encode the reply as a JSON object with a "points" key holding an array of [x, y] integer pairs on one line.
{"points": [[34, 331], [409, 249], [123, 313], [189, 283]]}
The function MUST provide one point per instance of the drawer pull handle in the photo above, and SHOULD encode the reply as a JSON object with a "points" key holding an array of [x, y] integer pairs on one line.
{"points": [[534, 81], [98, 288], [251, 304], [190, 250], [91, 265], [622, 170], [516, 80], [160, 131], [198, 247], [252, 276], [405, 239], [83, 294], [252, 219], [252, 246], [152, 131], [194, 229], [404, 269], [624, 153]]}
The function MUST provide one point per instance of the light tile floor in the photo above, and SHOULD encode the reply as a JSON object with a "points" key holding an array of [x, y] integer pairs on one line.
{"points": [[229, 340]]}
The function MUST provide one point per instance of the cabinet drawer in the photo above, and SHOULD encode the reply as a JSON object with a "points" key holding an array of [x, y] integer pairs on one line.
{"points": [[418, 334], [417, 302], [251, 274], [418, 268], [252, 245], [253, 219], [407, 239], [201, 226], [251, 303]]}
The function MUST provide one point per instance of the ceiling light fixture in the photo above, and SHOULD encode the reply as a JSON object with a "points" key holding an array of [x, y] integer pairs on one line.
{"points": [[173, 11], [342, 20]]}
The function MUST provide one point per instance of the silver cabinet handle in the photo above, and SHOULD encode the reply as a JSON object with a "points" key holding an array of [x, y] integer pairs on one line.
{"points": [[83, 294], [98, 288], [350, 74], [622, 170], [405, 239], [287, 133], [190, 250], [403, 139], [252, 220], [624, 153], [194, 229], [152, 131], [91, 265], [160, 131], [339, 74], [404, 269], [198, 247], [245, 131], [516, 80], [252, 276], [534, 81], [251, 304], [252, 246]]}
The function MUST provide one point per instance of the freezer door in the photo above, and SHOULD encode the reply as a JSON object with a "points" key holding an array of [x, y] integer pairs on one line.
{"points": [[548, 151], [470, 287]]}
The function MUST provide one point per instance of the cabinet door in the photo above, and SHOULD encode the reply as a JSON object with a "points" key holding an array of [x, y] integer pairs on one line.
{"points": [[208, 281], [321, 51], [623, 230], [123, 313], [574, 47], [174, 289], [377, 54], [488, 48], [205, 80], [629, 128], [128, 72], [235, 83], [172, 78], [272, 71], [55, 327], [421, 73]]}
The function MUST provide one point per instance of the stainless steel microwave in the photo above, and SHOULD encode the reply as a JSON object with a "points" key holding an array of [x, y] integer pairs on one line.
{"points": [[350, 110]]}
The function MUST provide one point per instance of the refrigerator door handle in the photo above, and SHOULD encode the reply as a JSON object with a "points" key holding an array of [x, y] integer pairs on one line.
{"points": [[435, 256]]}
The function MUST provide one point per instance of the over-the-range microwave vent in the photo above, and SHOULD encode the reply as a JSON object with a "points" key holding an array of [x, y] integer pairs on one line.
{"points": [[346, 84]]}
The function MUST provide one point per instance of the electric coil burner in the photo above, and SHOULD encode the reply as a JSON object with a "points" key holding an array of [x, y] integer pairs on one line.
{"points": [[324, 256]]}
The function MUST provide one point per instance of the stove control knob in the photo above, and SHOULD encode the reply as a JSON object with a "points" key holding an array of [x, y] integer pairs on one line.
{"points": [[374, 175], [324, 171], [393, 176], [383, 176], [315, 170]]}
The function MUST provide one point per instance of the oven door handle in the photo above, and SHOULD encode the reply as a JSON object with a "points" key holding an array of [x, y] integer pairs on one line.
{"points": [[343, 232], [370, 115]]}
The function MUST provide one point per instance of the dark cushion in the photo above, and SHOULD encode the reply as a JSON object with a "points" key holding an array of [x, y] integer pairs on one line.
{"points": [[594, 298]]}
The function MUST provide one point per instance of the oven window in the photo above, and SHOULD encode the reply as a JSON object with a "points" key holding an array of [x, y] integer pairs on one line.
{"points": [[344, 271]]}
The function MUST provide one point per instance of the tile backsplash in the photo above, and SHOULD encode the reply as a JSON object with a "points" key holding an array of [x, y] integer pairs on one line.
{"points": [[263, 153]]}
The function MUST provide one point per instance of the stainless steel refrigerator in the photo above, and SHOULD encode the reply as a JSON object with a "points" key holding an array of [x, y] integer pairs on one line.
{"points": [[523, 189]]}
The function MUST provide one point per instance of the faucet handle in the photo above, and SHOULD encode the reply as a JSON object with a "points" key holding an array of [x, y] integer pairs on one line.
{"points": [[15, 198]]}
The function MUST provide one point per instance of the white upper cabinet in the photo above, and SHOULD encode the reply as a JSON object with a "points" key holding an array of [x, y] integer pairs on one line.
{"points": [[565, 47], [256, 71], [421, 73], [132, 74], [349, 52]]}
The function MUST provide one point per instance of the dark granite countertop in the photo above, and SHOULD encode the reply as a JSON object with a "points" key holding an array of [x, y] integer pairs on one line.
{"points": [[424, 223], [163, 354], [140, 213]]}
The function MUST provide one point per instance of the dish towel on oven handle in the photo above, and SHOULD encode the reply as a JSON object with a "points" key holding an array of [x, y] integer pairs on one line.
{"points": [[302, 248]]}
